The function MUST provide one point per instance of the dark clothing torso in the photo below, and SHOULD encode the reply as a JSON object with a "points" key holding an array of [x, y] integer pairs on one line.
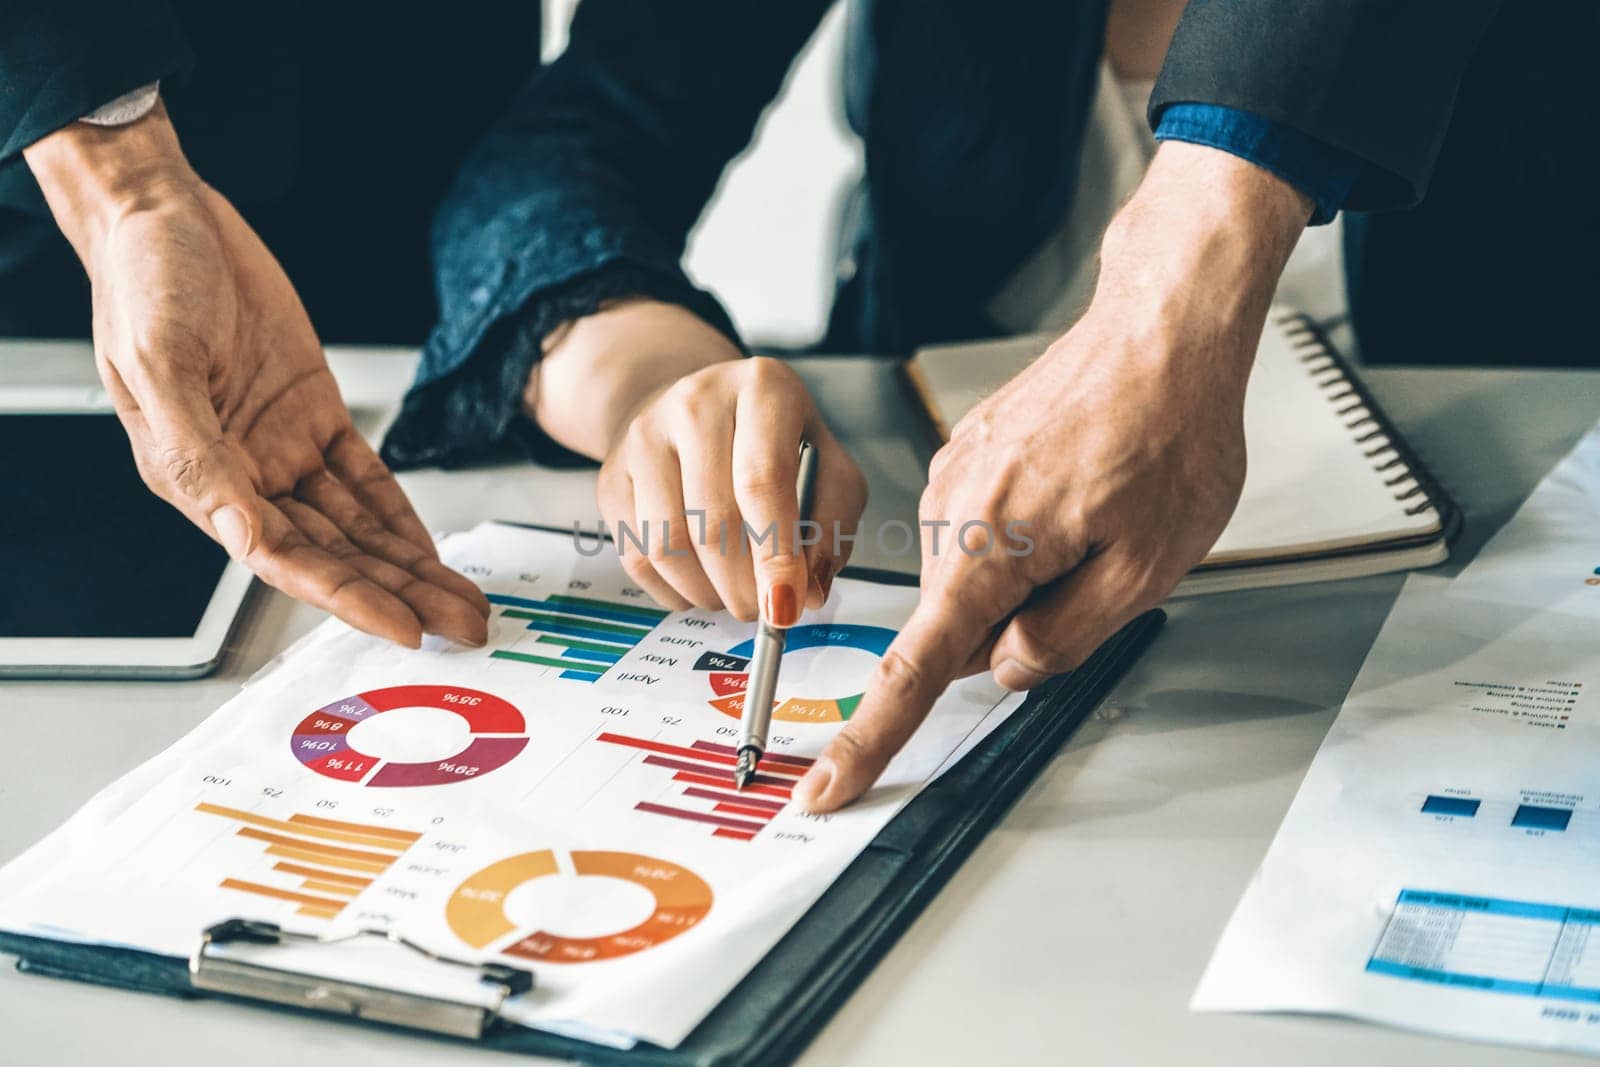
{"points": [[972, 122], [334, 128], [971, 117], [1496, 265], [337, 131]]}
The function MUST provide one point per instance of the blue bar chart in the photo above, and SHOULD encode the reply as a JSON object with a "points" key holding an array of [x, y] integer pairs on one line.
{"points": [[1462, 807], [1536, 819], [578, 637]]}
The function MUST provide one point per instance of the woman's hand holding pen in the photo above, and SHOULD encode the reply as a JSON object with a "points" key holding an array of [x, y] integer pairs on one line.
{"points": [[700, 447]]}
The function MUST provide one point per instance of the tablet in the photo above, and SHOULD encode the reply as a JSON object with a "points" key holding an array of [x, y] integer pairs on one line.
{"points": [[99, 577]]}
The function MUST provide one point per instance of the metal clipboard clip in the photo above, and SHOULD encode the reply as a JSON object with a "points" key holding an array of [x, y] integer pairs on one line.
{"points": [[221, 974]]}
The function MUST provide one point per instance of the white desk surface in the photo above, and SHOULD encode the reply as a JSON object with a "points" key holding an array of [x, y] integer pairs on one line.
{"points": [[1075, 933]]}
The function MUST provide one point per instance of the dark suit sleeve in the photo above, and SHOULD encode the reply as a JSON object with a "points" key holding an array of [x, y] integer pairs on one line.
{"points": [[61, 59], [1375, 78], [589, 185]]}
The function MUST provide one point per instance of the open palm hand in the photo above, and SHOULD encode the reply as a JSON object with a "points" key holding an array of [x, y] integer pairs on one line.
{"points": [[235, 419]]}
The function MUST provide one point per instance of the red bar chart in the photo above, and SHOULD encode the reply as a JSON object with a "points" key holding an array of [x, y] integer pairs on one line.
{"points": [[708, 797]]}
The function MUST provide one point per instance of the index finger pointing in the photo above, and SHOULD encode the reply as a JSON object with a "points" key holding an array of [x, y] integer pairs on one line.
{"points": [[938, 641]]}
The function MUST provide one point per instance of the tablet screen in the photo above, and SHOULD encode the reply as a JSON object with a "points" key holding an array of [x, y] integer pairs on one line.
{"points": [[85, 549]]}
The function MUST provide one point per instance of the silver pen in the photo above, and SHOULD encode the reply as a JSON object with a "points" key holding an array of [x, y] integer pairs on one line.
{"points": [[767, 655]]}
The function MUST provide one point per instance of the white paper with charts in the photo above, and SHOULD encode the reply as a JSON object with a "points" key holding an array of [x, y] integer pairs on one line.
{"points": [[560, 800], [1440, 866], [1548, 555]]}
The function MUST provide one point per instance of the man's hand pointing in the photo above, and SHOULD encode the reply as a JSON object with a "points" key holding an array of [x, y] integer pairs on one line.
{"points": [[1119, 454]]}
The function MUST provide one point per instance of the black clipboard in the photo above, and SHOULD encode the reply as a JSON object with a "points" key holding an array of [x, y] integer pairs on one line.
{"points": [[772, 1014]]}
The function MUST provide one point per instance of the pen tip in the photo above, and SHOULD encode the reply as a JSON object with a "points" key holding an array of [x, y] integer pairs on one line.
{"points": [[745, 769]]}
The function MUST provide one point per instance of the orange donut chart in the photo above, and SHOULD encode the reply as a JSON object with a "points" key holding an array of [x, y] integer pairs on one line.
{"points": [[476, 910]]}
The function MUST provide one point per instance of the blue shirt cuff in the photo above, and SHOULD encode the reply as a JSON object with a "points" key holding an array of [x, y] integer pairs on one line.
{"points": [[1322, 172]]}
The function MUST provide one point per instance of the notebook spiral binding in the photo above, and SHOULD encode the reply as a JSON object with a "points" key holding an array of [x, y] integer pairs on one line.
{"points": [[1360, 413]]}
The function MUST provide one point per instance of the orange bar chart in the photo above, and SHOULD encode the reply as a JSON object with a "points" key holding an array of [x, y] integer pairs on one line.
{"points": [[321, 864]]}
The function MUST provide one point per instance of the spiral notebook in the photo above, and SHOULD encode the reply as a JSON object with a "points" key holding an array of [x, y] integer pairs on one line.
{"points": [[1332, 489]]}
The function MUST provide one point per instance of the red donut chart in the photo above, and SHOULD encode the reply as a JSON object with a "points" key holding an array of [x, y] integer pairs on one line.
{"points": [[322, 742]]}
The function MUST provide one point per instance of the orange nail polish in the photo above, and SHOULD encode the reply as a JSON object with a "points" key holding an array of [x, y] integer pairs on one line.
{"points": [[781, 607]]}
